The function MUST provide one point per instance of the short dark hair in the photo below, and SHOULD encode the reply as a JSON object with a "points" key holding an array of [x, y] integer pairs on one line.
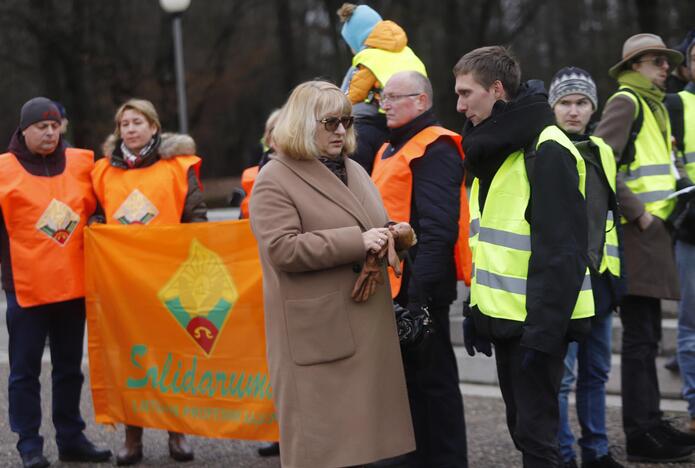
{"points": [[489, 64]]}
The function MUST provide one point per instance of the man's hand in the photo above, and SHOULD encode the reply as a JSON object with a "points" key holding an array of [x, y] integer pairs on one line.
{"points": [[472, 341], [645, 220]]}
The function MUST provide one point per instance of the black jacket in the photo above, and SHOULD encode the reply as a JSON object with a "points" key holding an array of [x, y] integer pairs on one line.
{"points": [[556, 214], [434, 214]]}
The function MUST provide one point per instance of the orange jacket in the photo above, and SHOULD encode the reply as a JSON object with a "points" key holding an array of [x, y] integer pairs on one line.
{"points": [[248, 177], [394, 179], [44, 217], [154, 194]]}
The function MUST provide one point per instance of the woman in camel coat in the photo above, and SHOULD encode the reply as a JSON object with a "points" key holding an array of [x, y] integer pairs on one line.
{"points": [[335, 364]]}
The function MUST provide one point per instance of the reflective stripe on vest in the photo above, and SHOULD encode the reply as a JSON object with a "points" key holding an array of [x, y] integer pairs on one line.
{"points": [[688, 99], [153, 195], [503, 248], [393, 178], [649, 176], [248, 178], [611, 257], [45, 217]]}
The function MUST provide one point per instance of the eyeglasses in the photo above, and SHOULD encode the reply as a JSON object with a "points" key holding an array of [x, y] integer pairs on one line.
{"points": [[396, 97], [331, 123], [658, 61]]}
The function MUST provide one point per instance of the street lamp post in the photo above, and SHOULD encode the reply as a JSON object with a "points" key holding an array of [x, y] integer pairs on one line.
{"points": [[176, 9]]}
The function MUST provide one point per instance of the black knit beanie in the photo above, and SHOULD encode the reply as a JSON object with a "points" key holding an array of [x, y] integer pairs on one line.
{"points": [[572, 80], [37, 110]]}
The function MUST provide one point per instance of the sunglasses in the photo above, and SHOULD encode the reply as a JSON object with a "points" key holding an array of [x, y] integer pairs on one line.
{"points": [[331, 123], [659, 61]]}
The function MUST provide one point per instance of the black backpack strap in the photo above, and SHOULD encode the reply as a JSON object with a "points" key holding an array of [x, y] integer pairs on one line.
{"points": [[674, 105], [628, 155], [530, 157]]}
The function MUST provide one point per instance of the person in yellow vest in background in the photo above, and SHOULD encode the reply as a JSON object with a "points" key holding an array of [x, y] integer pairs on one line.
{"points": [[573, 98], [531, 289], [148, 177], [248, 177], [46, 199], [419, 173], [681, 109], [636, 125], [380, 49]]}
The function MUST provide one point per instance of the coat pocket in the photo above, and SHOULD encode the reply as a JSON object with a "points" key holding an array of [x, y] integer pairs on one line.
{"points": [[319, 330]]}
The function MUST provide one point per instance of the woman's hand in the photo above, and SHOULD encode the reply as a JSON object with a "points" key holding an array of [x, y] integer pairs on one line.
{"points": [[374, 239]]}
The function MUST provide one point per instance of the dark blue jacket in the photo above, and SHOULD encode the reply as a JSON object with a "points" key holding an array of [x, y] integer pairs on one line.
{"points": [[434, 214]]}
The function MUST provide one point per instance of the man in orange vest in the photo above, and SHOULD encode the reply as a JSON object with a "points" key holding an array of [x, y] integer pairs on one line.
{"points": [[420, 175], [46, 197]]}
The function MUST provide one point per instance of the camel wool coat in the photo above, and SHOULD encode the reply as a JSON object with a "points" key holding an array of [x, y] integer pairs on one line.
{"points": [[335, 365]]}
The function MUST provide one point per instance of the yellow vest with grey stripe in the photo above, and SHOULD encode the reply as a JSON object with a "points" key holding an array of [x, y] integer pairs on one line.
{"points": [[384, 64], [649, 176], [688, 155], [474, 228], [503, 243], [611, 258]]}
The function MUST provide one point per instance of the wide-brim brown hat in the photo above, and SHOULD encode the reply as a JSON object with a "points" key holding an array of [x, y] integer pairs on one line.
{"points": [[640, 44]]}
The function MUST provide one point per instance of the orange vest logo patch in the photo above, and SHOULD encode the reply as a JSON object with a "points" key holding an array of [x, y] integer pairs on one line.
{"points": [[136, 209], [58, 222], [200, 295]]}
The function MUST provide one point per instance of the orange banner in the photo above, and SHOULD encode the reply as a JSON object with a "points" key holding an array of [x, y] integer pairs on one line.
{"points": [[175, 329]]}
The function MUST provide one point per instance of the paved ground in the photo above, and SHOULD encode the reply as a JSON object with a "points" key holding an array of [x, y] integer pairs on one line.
{"points": [[489, 442]]}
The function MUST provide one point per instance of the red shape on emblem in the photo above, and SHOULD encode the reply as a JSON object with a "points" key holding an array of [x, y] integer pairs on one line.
{"points": [[203, 331], [61, 236]]}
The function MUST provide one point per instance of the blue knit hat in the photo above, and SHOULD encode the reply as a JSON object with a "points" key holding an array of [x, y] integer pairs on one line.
{"points": [[356, 29]]}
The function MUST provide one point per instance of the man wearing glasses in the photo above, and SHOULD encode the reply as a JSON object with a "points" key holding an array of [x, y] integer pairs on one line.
{"points": [[635, 124], [419, 173]]}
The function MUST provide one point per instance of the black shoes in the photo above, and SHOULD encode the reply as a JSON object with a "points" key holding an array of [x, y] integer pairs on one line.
{"points": [[606, 461], [271, 449], [686, 439], [84, 451], [34, 460], [654, 446]]}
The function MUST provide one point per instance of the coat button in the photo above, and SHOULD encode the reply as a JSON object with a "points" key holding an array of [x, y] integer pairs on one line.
{"points": [[356, 267]]}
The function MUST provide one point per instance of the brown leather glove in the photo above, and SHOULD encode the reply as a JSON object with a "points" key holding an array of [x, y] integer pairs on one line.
{"points": [[370, 276]]}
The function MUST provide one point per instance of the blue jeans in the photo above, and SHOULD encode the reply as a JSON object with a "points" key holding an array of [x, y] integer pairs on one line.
{"points": [[685, 260], [593, 358], [63, 324]]}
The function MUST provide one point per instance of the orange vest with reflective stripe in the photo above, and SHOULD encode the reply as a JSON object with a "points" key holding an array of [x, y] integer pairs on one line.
{"points": [[393, 178], [248, 177], [44, 217], [154, 195]]}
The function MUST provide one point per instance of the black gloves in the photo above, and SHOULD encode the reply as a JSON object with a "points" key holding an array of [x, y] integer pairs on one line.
{"points": [[472, 341]]}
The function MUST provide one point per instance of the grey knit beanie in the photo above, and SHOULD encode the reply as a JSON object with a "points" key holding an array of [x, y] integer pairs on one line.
{"points": [[37, 110], [572, 80]]}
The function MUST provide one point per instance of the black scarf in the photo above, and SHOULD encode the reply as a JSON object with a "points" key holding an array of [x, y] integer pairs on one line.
{"points": [[336, 166], [511, 126]]}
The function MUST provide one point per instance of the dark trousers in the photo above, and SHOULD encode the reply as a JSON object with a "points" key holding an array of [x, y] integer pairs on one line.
{"points": [[531, 398], [63, 324], [641, 317], [436, 403]]}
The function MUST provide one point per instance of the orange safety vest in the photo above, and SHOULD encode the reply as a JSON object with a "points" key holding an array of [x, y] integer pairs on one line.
{"points": [[154, 195], [248, 178], [393, 178], [44, 217]]}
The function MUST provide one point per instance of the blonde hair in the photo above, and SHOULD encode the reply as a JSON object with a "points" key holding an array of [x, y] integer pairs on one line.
{"points": [[295, 130], [269, 127], [144, 107]]}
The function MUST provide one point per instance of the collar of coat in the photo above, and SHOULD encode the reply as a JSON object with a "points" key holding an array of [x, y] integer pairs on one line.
{"points": [[348, 197]]}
